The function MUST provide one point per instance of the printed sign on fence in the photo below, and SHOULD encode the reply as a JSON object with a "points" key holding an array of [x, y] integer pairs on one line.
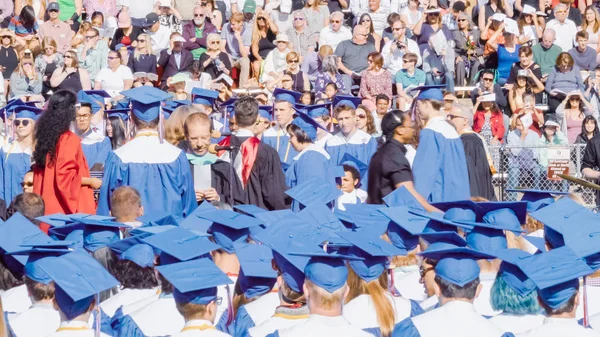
{"points": [[558, 162]]}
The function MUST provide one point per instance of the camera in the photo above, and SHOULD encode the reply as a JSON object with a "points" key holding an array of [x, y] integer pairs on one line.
{"points": [[400, 45], [522, 72]]}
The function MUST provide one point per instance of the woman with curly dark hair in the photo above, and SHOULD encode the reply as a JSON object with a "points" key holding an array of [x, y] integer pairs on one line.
{"points": [[61, 174]]}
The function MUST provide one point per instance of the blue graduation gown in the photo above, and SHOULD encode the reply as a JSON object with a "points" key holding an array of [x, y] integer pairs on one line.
{"points": [[311, 162], [160, 172], [361, 145], [440, 166], [96, 151], [15, 162], [280, 141]]}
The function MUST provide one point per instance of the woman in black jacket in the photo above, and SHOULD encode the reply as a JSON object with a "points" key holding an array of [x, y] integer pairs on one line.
{"points": [[126, 33]]}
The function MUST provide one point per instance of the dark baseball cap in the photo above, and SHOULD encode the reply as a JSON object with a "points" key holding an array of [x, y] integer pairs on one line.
{"points": [[151, 19], [53, 6]]}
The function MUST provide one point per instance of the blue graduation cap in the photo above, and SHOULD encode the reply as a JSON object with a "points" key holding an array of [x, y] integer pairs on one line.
{"points": [[307, 124], [257, 276], [511, 214], [321, 217], [146, 102], [16, 232], [194, 281], [537, 199], [457, 265], [160, 218], [556, 274], [349, 101], [134, 250], [401, 197], [204, 96], [374, 252], [367, 217], [559, 218], [286, 95], [314, 190], [461, 210], [444, 237], [178, 244], [145, 230], [122, 114], [432, 92], [265, 111], [37, 253], [6, 110], [327, 271], [78, 279], [488, 237], [585, 244], [538, 242], [315, 110], [350, 160], [95, 98], [229, 227], [229, 104], [510, 272], [25, 111], [250, 210], [405, 228], [96, 234]]}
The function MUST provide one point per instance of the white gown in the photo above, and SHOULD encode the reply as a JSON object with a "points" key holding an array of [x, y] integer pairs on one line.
{"points": [[483, 303], [75, 329], [517, 324], [125, 297], [360, 312], [199, 328], [46, 318], [560, 327], [322, 326], [15, 300]]}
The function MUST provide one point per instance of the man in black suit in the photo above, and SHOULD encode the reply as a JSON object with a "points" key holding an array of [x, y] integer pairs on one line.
{"points": [[174, 59]]}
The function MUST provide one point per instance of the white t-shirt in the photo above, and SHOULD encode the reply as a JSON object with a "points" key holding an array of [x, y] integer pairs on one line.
{"points": [[160, 39], [111, 81]]}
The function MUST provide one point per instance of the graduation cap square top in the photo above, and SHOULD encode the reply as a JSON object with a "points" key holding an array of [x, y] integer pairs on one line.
{"points": [[257, 276], [432, 92], [510, 272], [457, 265], [315, 110], [513, 214], [25, 111], [314, 190], [321, 217], [373, 251], [286, 95], [350, 101], [368, 217], [204, 96], [537, 199], [135, 250], [586, 244], [16, 232], [37, 253], [95, 98], [146, 102], [405, 227], [350, 160], [229, 227], [327, 271], [402, 197], [556, 274], [180, 245], [307, 124], [194, 281]]}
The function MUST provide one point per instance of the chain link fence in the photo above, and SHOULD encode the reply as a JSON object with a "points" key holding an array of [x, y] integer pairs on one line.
{"points": [[527, 167]]}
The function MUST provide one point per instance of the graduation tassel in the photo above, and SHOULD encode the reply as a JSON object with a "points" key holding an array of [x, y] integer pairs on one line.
{"points": [[98, 317], [160, 124], [585, 304]]}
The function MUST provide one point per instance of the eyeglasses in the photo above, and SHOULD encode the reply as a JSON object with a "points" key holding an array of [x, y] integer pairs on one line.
{"points": [[365, 20], [397, 29], [423, 271], [199, 15], [294, 61], [83, 117], [462, 20], [27, 184], [141, 41], [407, 61], [88, 37], [361, 116], [18, 122], [214, 42], [365, 35], [203, 4], [53, 11], [282, 42], [113, 58], [336, 21], [298, 19], [261, 19], [488, 79], [68, 56], [7, 37]]}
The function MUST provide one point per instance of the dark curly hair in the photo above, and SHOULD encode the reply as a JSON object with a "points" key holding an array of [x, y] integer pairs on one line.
{"points": [[55, 121], [132, 276]]}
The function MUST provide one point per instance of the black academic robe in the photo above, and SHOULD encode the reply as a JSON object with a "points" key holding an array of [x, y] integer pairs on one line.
{"points": [[480, 175], [222, 175], [266, 184], [591, 159]]}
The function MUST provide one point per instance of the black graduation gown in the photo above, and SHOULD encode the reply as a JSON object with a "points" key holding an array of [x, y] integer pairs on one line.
{"points": [[591, 159], [480, 175], [221, 176], [266, 184]]}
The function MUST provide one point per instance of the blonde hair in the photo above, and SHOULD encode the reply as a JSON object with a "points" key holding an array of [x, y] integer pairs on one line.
{"points": [[174, 130], [49, 41], [22, 62], [136, 51], [324, 299], [377, 290]]}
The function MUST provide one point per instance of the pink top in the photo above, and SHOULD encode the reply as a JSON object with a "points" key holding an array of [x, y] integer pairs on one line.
{"points": [[573, 129], [108, 8], [374, 85]]}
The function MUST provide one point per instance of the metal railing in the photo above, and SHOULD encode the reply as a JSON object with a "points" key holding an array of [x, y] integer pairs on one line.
{"points": [[526, 167]]}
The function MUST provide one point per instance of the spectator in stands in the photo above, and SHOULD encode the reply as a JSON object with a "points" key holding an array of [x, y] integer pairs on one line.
{"points": [[264, 33], [468, 50], [563, 78], [216, 17], [427, 26], [374, 38], [142, 58], [70, 76], [275, 62], [97, 20], [175, 58], [534, 77], [114, 78], [292, 69], [169, 16], [236, 39], [8, 55], [126, 33], [585, 57], [25, 27], [488, 120], [316, 16], [528, 108], [411, 14], [56, 29], [382, 106], [6, 11], [491, 8], [39, 8], [138, 9], [79, 37], [396, 48], [93, 54], [312, 63], [47, 62], [489, 30], [329, 74], [546, 52], [375, 80], [589, 128], [335, 33], [410, 76], [522, 86], [567, 28], [215, 62], [364, 120], [523, 157], [450, 20], [571, 112], [196, 32], [353, 54], [439, 68], [159, 34], [551, 137], [378, 13], [592, 90], [591, 24], [26, 81], [107, 7], [303, 38], [486, 85], [530, 29], [507, 53]]}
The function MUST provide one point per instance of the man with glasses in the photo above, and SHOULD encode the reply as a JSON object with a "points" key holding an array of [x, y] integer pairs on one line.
{"points": [[485, 86], [301, 37], [353, 55], [195, 32], [94, 143], [567, 28], [394, 51], [480, 174], [335, 33], [93, 53], [408, 77], [56, 29]]}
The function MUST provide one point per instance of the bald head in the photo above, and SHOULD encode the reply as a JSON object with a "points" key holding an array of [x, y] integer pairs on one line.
{"points": [[548, 38]]}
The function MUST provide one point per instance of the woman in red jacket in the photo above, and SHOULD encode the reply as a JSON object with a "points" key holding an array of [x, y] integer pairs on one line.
{"points": [[60, 171], [488, 119]]}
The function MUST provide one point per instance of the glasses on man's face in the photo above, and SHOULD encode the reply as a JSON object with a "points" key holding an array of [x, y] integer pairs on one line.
{"points": [[89, 37], [423, 271], [18, 122], [293, 61], [27, 184], [462, 20], [336, 21], [298, 19], [199, 15], [487, 79], [84, 117], [407, 61]]}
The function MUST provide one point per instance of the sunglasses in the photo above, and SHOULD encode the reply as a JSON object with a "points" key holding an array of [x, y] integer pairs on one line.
{"points": [[293, 61], [141, 41], [113, 58], [361, 116], [7, 37], [462, 20], [53, 11], [261, 19], [298, 19], [199, 15], [68, 56], [424, 271], [488, 79], [336, 21], [18, 122], [366, 20], [27, 184]]}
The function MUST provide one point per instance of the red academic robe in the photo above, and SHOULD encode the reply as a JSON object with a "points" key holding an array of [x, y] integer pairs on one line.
{"points": [[59, 183]]}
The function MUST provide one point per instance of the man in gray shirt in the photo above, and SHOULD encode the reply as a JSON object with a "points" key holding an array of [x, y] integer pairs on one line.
{"points": [[236, 39], [353, 54]]}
